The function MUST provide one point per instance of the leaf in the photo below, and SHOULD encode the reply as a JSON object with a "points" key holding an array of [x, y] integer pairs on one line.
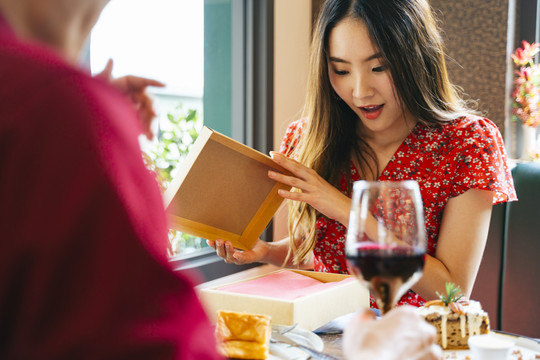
{"points": [[452, 292], [191, 115]]}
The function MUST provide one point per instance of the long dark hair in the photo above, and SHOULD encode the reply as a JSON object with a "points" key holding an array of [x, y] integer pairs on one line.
{"points": [[409, 41]]}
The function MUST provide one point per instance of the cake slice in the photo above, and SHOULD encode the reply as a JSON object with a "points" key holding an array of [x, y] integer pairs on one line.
{"points": [[455, 319], [243, 335]]}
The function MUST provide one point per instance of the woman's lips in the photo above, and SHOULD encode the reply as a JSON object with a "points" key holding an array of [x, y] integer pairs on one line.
{"points": [[372, 111]]}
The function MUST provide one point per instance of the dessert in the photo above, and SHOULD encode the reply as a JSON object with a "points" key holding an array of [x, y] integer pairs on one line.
{"points": [[243, 335], [455, 318]]}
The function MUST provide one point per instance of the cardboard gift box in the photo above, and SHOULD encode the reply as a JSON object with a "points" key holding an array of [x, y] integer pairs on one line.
{"points": [[222, 191], [289, 301]]}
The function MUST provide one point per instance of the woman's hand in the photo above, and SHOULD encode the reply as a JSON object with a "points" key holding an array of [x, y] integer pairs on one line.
{"points": [[225, 250], [274, 253], [134, 88], [400, 334], [315, 191]]}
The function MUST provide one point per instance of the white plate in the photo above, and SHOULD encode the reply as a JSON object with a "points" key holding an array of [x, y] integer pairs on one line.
{"points": [[288, 352], [526, 347]]}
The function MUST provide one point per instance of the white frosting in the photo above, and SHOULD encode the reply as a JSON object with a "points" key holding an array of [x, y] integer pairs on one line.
{"points": [[444, 336], [473, 317], [475, 321], [434, 309]]}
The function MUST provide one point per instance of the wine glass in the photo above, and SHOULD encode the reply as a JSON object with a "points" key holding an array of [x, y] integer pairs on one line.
{"points": [[386, 238]]}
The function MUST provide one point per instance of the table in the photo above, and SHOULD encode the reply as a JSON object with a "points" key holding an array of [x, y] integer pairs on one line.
{"points": [[332, 342]]}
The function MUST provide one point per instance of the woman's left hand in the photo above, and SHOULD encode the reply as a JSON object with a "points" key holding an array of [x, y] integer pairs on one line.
{"points": [[134, 88], [314, 190]]}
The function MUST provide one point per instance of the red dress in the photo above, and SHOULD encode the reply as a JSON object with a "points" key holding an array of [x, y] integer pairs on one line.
{"points": [[465, 153]]}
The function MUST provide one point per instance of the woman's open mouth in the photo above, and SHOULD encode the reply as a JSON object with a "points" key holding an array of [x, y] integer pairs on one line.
{"points": [[372, 111]]}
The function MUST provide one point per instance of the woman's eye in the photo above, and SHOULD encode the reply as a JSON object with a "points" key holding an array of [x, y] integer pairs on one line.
{"points": [[379, 68], [340, 72]]}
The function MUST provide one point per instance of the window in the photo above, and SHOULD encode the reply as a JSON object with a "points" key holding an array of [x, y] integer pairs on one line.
{"points": [[161, 39], [215, 56]]}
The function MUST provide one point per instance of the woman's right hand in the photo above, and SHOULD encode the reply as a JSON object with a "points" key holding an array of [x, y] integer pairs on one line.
{"points": [[314, 190], [225, 250]]}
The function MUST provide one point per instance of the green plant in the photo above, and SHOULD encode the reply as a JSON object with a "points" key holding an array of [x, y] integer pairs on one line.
{"points": [[163, 154], [451, 296], [175, 136]]}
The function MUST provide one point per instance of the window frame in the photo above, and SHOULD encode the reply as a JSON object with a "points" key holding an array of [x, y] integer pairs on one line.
{"points": [[251, 121]]}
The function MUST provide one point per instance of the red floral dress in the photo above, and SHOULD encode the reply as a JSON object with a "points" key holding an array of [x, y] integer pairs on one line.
{"points": [[465, 153]]}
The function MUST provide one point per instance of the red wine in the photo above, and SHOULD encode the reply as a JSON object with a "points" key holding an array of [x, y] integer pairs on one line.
{"points": [[389, 272]]}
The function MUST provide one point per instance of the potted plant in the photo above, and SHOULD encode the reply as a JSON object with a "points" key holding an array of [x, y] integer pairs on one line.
{"points": [[526, 96]]}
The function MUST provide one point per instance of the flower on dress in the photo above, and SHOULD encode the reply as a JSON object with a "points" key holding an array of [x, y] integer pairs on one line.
{"points": [[526, 93]]}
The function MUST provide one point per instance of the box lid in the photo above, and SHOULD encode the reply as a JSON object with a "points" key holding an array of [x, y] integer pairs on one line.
{"points": [[222, 191]]}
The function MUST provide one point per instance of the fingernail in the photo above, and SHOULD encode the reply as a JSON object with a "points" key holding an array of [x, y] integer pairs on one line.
{"points": [[271, 174]]}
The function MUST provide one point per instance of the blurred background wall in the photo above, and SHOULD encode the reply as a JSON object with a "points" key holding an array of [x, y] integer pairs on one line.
{"points": [[476, 33]]}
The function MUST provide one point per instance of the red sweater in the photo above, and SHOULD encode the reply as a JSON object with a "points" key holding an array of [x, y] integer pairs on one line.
{"points": [[83, 234]]}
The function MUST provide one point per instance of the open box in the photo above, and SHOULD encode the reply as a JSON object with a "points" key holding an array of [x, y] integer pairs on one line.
{"points": [[222, 191], [310, 311]]}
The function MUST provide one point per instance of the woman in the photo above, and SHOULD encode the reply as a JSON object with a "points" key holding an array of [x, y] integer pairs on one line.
{"points": [[380, 106]]}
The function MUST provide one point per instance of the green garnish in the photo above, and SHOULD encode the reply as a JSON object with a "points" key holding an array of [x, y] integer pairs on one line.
{"points": [[452, 292]]}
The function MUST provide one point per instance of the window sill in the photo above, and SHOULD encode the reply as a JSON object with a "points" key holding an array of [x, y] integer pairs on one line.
{"points": [[207, 264]]}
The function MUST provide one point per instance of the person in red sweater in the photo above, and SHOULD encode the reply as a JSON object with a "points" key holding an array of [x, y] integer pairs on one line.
{"points": [[83, 235]]}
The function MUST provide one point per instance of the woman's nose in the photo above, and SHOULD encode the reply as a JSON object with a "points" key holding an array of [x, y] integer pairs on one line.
{"points": [[362, 88]]}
